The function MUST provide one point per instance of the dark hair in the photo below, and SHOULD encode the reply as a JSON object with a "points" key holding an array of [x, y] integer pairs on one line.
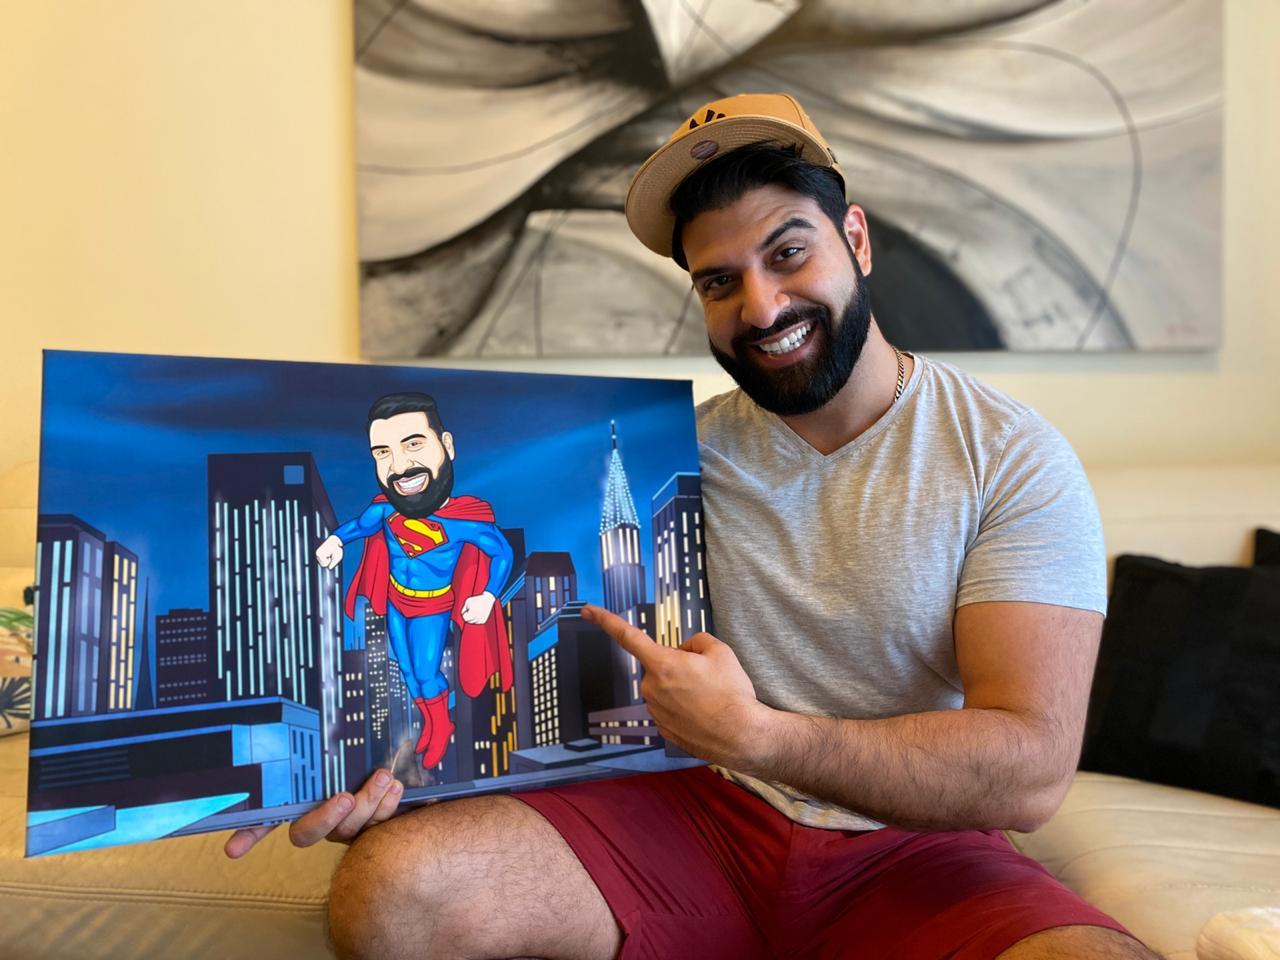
{"points": [[397, 403], [720, 182]]}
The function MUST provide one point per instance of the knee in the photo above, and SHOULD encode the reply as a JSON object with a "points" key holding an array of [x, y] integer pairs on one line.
{"points": [[369, 900], [394, 894], [355, 895]]}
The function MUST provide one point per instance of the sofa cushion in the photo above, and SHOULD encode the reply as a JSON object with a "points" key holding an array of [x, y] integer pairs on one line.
{"points": [[1161, 860], [178, 897], [1185, 689]]}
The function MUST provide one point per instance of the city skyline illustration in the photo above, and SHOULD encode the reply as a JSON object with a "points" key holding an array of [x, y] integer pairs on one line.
{"points": [[186, 635], [145, 455]]}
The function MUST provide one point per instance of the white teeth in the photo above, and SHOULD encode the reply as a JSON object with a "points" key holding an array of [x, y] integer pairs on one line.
{"points": [[787, 343], [411, 486]]}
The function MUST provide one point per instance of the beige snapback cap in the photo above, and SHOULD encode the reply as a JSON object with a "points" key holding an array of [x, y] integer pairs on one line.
{"points": [[714, 129]]}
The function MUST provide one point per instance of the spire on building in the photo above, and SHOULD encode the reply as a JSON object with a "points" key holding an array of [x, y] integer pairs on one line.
{"points": [[622, 566], [619, 507], [146, 696]]}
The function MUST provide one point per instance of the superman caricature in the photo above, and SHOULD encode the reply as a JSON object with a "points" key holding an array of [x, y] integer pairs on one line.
{"points": [[430, 560]]}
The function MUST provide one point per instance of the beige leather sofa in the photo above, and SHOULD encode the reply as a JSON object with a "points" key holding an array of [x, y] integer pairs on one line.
{"points": [[1161, 860]]}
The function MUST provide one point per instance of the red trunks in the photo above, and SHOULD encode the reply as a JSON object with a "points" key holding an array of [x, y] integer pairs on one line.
{"points": [[694, 866]]}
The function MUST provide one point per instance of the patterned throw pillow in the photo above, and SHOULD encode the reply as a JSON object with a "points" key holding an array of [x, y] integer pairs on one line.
{"points": [[15, 670]]}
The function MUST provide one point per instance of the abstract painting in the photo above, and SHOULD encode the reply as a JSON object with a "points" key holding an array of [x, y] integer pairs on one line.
{"points": [[1039, 175]]}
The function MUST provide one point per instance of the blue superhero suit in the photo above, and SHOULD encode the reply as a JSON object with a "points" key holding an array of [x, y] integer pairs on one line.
{"points": [[420, 588]]}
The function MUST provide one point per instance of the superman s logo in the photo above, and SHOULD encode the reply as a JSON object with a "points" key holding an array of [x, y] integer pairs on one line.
{"points": [[416, 536]]}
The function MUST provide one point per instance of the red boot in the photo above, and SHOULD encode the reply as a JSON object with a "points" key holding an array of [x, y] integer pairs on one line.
{"points": [[425, 738], [441, 728]]}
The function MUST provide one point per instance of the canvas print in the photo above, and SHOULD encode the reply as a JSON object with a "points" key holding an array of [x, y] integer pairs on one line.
{"points": [[259, 581], [1039, 175]]}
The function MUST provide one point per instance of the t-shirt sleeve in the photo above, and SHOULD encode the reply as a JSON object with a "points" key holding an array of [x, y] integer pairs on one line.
{"points": [[1039, 536]]}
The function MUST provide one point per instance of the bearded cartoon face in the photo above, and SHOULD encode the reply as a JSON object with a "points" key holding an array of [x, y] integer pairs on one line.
{"points": [[414, 464]]}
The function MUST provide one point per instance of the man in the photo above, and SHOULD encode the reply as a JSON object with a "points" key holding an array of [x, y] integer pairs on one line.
{"points": [[430, 560], [907, 575]]}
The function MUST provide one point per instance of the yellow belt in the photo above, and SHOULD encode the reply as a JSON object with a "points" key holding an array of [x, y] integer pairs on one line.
{"points": [[421, 594]]}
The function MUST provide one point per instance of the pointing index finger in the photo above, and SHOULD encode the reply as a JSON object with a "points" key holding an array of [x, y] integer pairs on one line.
{"points": [[631, 639]]}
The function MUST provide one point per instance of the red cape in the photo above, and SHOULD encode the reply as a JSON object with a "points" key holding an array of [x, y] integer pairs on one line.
{"points": [[482, 649]]}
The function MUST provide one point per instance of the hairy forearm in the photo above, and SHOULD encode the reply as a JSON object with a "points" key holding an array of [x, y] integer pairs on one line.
{"points": [[941, 770]]}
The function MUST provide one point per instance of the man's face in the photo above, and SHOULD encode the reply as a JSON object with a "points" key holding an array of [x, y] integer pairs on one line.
{"points": [[414, 465], [785, 301]]}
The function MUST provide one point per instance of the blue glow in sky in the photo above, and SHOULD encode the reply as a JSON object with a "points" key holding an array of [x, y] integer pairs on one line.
{"points": [[124, 442]]}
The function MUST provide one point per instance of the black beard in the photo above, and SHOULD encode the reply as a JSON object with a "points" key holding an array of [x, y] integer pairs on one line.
{"points": [[805, 386], [428, 500]]}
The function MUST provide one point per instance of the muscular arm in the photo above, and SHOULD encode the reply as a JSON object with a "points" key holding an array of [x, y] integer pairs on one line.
{"points": [[1003, 761], [489, 539], [367, 524]]}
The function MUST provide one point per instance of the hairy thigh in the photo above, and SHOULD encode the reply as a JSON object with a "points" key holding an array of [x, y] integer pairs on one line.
{"points": [[1078, 942], [481, 877]]}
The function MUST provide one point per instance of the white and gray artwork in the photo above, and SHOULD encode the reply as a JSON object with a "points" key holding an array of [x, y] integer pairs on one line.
{"points": [[1039, 176]]}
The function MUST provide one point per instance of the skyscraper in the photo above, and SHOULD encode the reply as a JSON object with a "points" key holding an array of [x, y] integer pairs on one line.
{"points": [[403, 721], [276, 613], [144, 697], [574, 673], [454, 764], [69, 595], [506, 714], [182, 657], [622, 564], [355, 724], [377, 685], [117, 636], [550, 582], [485, 735], [682, 604]]}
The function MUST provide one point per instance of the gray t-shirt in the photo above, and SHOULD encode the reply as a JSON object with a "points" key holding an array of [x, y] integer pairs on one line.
{"points": [[836, 578]]}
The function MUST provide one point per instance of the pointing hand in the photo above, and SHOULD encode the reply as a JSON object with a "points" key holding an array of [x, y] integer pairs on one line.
{"points": [[699, 695]]}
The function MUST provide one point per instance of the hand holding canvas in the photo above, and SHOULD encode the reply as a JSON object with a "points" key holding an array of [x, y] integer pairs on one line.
{"points": [[699, 695], [341, 818]]}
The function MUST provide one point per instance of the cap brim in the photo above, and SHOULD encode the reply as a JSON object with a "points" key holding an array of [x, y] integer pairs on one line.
{"points": [[648, 206]]}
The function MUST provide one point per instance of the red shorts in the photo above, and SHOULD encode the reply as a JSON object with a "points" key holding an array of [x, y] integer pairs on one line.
{"points": [[695, 866]]}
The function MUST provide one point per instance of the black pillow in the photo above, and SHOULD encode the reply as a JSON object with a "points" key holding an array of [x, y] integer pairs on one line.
{"points": [[1266, 548], [1187, 690]]}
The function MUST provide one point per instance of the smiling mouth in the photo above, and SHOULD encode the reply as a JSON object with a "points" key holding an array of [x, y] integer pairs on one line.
{"points": [[784, 345], [412, 485]]}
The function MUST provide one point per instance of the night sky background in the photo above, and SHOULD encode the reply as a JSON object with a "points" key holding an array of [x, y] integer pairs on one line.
{"points": [[124, 440]]}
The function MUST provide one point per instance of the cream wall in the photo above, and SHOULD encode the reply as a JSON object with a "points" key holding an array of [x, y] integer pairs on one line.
{"points": [[177, 177]]}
